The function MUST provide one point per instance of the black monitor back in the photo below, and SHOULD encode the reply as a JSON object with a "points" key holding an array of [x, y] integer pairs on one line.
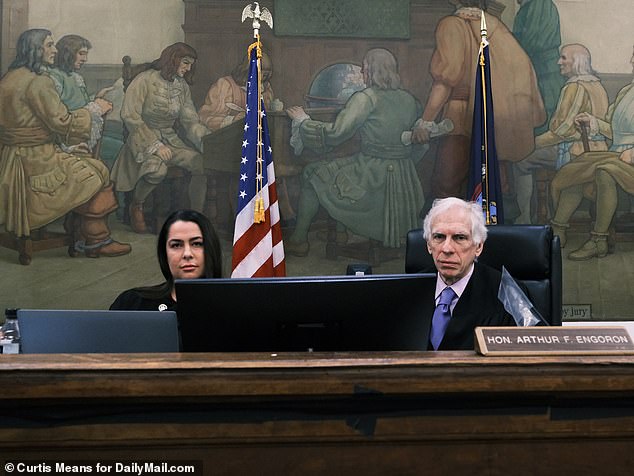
{"points": [[46, 331], [324, 313]]}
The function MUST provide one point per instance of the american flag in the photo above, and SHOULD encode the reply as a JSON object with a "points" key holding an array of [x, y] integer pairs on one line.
{"points": [[258, 250], [484, 175]]}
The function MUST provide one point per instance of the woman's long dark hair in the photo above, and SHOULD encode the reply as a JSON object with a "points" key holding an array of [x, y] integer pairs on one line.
{"points": [[211, 245]]}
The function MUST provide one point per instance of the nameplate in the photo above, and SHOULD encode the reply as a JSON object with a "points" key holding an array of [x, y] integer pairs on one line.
{"points": [[568, 340]]}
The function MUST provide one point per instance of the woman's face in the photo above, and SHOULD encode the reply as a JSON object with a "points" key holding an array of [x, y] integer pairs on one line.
{"points": [[185, 250]]}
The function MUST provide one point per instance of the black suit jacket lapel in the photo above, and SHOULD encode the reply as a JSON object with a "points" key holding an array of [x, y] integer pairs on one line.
{"points": [[465, 315]]}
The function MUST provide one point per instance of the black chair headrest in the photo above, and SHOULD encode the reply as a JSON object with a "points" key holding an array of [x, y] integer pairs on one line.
{"points": [[523, 249]]}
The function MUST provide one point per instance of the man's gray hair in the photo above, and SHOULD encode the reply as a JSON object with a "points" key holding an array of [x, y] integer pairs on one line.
{"points": [[581, 59], [29, 51], [441, 205]]}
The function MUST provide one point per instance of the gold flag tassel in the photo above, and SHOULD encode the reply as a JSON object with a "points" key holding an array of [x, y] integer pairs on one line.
{"points": [[258, 209]]}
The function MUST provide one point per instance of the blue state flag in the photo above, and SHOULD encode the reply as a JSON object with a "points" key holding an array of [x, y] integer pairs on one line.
{"points": [[484, 170]]}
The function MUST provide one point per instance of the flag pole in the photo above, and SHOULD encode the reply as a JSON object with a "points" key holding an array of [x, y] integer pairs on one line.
{"points": [[484, 174], [258, 15], [258, 249], [485, 169]]}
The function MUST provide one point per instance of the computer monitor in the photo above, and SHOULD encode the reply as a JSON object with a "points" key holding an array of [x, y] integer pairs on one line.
{"points": [[46, 331], [324, 313]]}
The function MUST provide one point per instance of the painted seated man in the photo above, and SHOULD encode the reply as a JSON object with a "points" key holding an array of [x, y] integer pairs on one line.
{"points": [[596, 175], [154, 101], [375, 193], [225, 104], [39, 181], [582, 92], [72, 55]]}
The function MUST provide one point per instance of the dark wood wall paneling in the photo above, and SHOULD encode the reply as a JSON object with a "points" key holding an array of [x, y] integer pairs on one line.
{"points": [[13, 21], [214, 29]]}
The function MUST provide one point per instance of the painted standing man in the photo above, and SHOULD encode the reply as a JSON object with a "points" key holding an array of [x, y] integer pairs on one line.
{"points": [[39, 182], [536, 27], [516, 100]]}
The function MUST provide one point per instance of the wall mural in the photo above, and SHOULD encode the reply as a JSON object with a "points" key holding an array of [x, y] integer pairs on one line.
{"points": [[351, 181]]}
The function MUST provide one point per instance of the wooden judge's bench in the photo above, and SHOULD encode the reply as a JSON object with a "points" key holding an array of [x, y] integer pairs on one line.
{"points": [[313, 414]]}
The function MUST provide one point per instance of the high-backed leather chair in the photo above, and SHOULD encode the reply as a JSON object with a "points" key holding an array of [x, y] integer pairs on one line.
{"points": [[530, 253]]}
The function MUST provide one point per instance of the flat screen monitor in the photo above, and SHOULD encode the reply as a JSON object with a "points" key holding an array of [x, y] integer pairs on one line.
{"points": [[325, 313], [46, 331]]}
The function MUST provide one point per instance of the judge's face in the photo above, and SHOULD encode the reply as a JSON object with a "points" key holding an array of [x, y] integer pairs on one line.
{"points": [[451, 244], [185, 250], [49, 50]]}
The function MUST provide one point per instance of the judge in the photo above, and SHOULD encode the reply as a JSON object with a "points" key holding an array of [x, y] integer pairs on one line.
{"points": [[455, 234]]}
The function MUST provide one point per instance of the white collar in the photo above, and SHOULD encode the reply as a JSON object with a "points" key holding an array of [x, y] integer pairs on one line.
{"points": [[469, 13], [583, 77], [458, 287]]}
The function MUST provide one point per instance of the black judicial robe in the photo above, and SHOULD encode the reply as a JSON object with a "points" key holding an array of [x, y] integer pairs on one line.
{"points": [[134, 300], [478, 306]]}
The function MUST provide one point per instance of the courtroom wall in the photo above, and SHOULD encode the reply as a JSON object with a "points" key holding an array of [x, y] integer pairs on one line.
{"points": [[142, 28]]}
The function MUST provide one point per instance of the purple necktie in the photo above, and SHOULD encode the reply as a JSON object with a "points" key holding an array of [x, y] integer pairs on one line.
{"points": [[442, 314]]}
